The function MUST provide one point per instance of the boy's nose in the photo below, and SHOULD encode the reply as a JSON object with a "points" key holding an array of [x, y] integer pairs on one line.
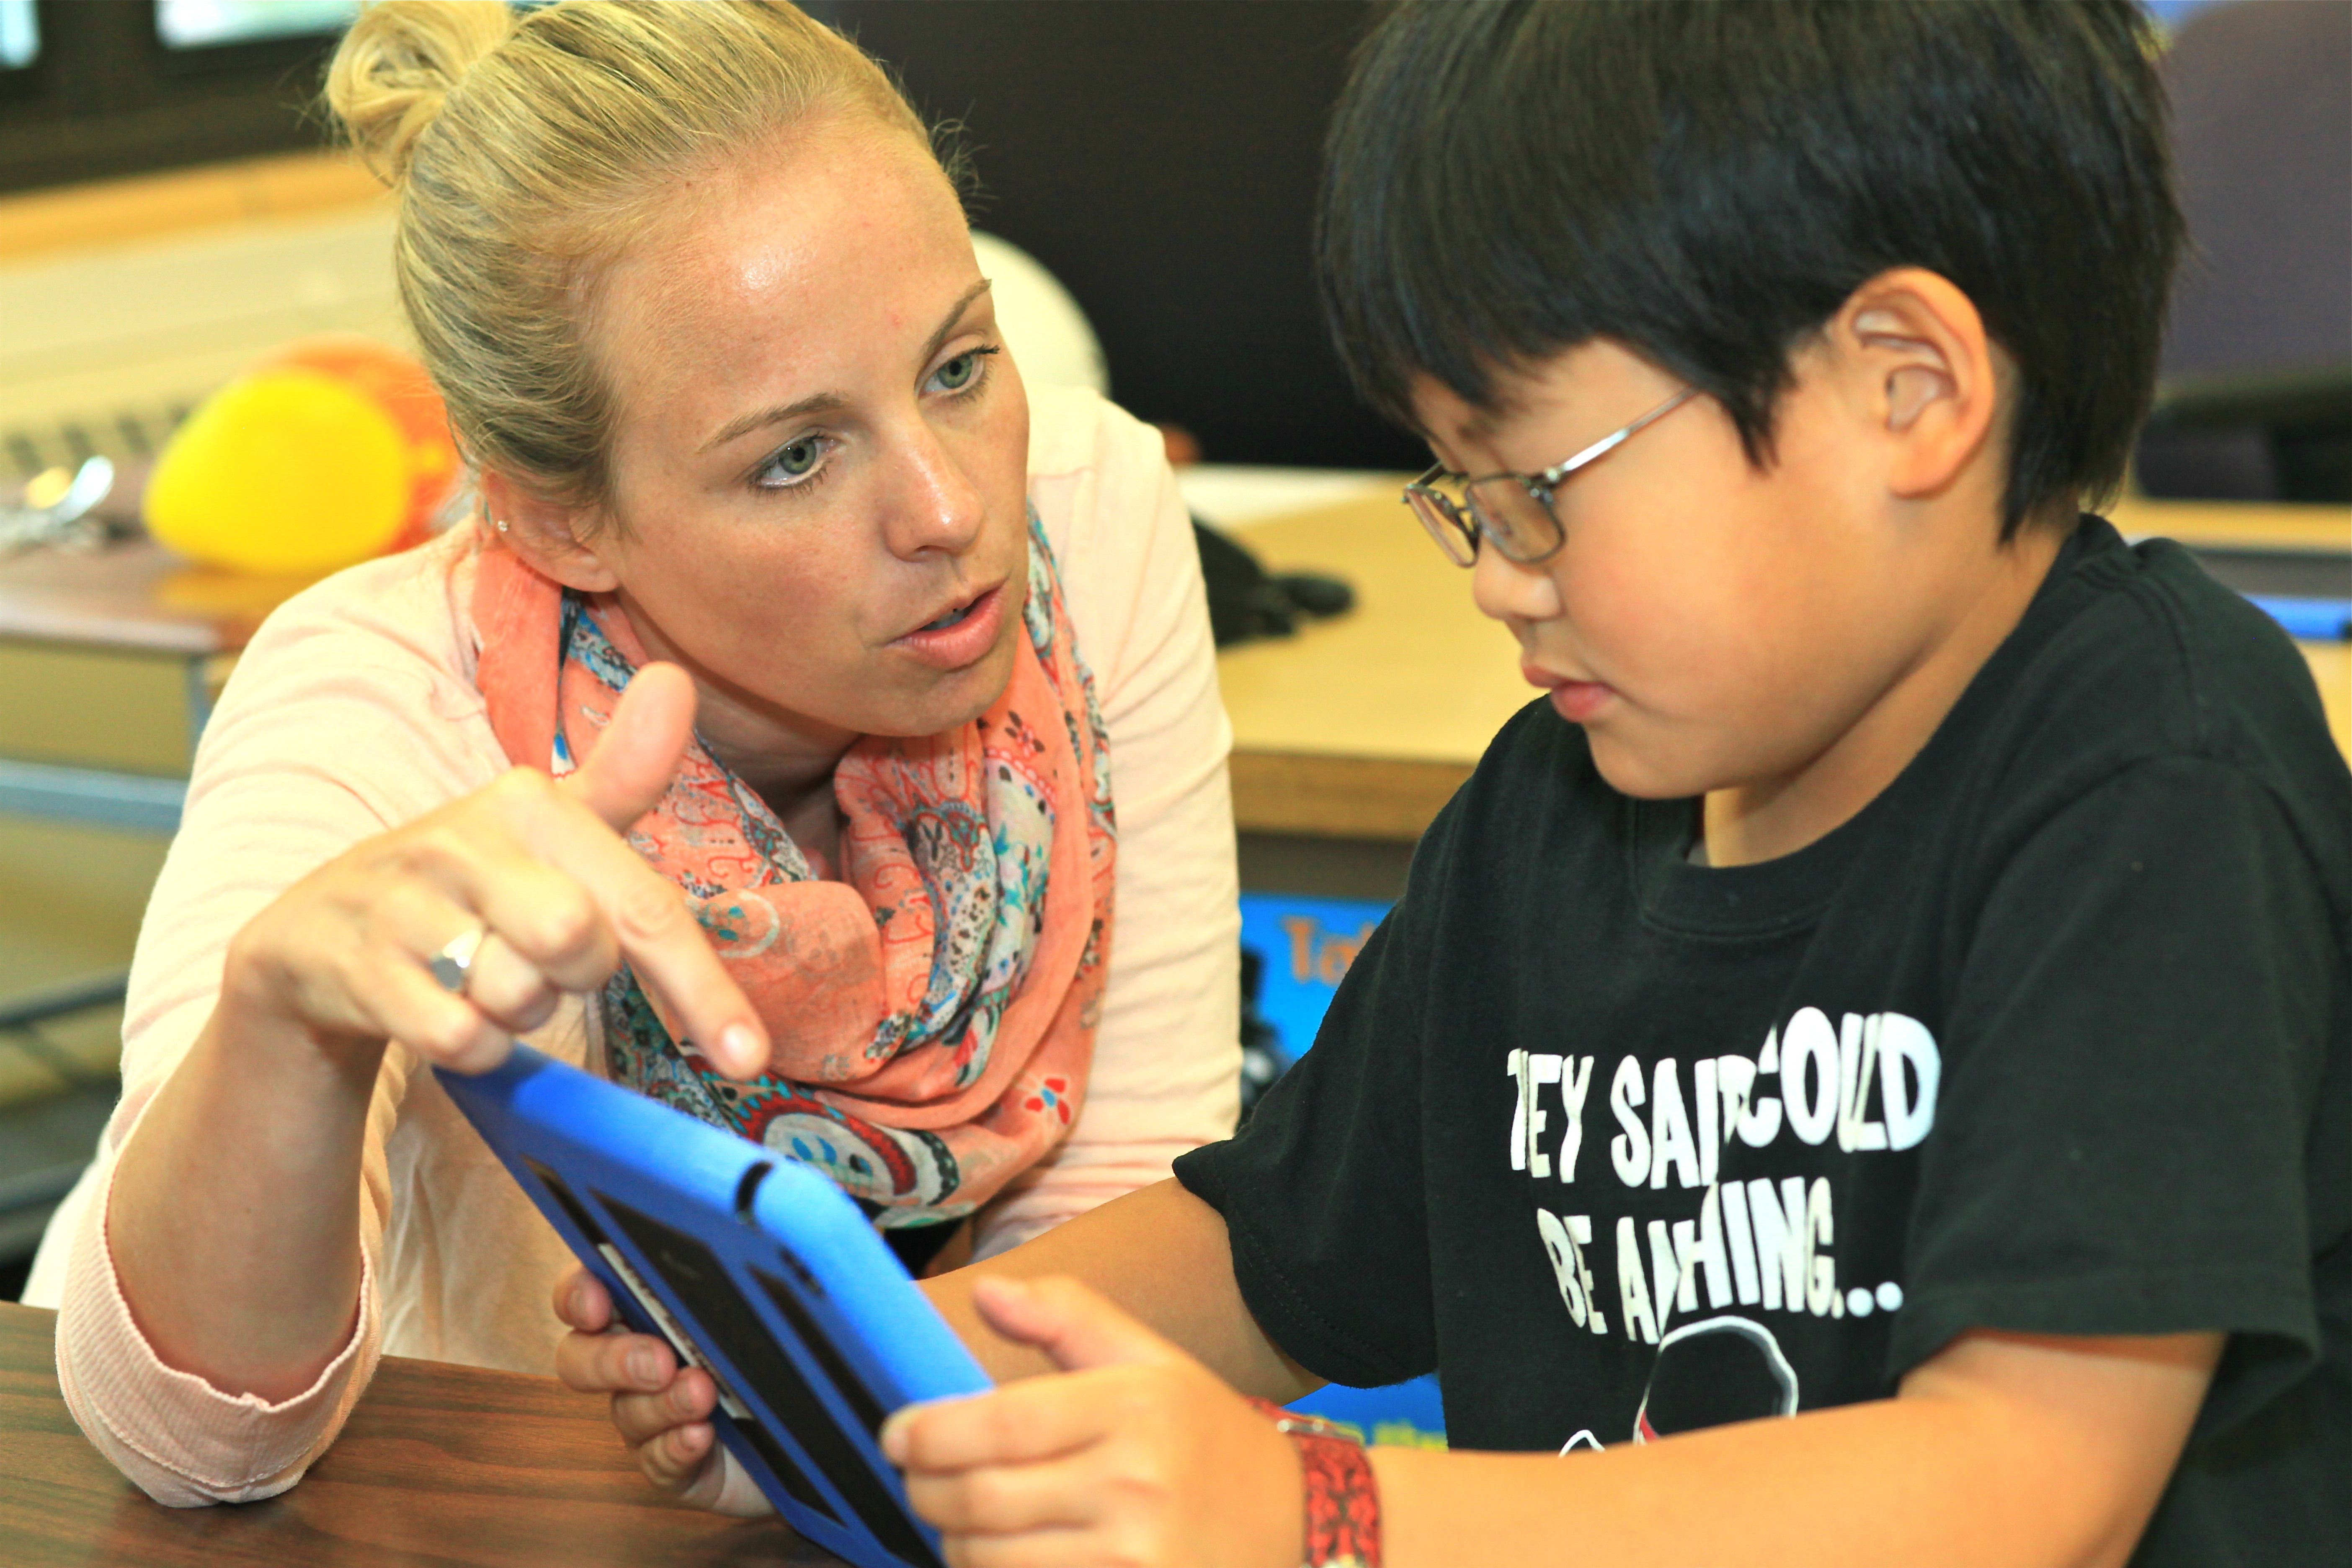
{"points": [[1508, 591]]}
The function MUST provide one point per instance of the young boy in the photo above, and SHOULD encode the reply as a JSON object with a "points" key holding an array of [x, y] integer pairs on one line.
{"points": [[1896, 979]]}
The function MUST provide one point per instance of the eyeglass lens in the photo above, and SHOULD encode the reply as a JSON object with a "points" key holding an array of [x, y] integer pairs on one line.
{"points": [[1508, 513], [1446, 525]]}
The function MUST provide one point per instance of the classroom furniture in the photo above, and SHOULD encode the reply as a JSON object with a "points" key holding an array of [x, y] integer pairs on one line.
{"points": [[109, 664], [1362, 726], [449, 1465], [54, 1101]]}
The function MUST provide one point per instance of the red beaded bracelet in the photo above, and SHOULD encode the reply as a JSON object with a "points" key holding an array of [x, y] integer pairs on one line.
{"points": [[1343, 1506]]}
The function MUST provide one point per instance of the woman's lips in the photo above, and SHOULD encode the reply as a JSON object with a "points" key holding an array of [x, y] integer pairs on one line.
{"points": [[966, 635], [1574, 700]]}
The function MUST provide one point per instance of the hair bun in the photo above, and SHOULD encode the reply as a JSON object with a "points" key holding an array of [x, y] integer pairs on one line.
{"points": [[397, 63]]}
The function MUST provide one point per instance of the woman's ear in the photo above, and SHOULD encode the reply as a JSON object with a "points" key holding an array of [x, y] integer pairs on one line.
{"points": [[1925, 375], [551, 535]]}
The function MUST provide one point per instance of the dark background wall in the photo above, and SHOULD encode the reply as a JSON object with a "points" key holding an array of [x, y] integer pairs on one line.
{"points": [[1160, 157], [106, 98]]}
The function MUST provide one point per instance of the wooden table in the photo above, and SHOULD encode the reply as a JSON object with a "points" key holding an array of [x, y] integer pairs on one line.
{"points": [[442, 1465], [1363, 726]]}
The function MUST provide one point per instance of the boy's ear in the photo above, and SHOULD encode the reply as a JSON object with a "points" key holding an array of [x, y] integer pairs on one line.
{"points": [[1924, 372], [551, 535]]}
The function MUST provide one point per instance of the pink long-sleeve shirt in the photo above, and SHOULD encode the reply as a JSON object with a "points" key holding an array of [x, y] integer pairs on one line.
{"points": [[355, 711]]}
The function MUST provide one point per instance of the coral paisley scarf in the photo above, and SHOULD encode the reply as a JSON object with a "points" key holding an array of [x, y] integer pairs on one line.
{"points": [[934, 1012]]}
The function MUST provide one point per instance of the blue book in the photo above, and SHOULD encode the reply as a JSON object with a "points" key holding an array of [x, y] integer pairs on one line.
{"points": [[2311, 619]]}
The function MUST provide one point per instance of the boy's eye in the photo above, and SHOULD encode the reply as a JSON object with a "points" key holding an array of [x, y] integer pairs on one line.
{"points": [[794, 461], [958, 373]]}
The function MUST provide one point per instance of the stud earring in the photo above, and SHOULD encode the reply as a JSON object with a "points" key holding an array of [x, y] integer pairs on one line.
{"points": [[500, 525]]}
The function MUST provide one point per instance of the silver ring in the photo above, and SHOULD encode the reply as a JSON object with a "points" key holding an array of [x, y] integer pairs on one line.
{"points": [[449, 966]]}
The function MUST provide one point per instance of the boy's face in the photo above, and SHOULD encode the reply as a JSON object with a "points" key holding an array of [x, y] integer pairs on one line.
{"points": [[1718, 627]]}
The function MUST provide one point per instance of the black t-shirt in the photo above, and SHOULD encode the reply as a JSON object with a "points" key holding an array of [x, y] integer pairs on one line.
{"points": [[2051, 1038]]}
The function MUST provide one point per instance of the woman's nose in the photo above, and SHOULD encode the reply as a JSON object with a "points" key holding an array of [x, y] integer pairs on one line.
{"points": [[935, 505]]}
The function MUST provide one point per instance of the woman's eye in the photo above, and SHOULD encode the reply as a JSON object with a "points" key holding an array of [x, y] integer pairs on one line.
{"points": [[793, 462], [963, 373]]}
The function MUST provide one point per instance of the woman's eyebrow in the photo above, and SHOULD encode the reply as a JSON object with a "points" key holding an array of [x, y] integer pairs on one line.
{"points": [[820, 403], [948, 324], [828, 401]]}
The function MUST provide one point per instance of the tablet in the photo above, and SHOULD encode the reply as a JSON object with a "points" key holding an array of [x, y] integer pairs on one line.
{"points": [[756, 1270]]}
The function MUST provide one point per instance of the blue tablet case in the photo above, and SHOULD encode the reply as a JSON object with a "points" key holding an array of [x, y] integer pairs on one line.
{"points": [[761, 1272]]}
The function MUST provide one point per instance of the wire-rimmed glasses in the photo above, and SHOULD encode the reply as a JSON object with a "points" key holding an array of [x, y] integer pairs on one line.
{"points": [[1513, 509]]}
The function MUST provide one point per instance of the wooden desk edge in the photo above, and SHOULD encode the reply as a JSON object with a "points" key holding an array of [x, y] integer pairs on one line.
{"points": [[1338, 797]]}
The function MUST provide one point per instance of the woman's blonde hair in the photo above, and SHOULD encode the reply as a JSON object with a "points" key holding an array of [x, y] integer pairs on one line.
{"points": [[527, 149]]}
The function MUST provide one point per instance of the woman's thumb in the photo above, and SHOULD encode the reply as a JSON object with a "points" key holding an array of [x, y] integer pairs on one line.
{"points": [[637, 755], [1070, 1323]]}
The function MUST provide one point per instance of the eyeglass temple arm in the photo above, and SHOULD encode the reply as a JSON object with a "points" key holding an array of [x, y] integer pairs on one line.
{"points": [[1609, 443]]}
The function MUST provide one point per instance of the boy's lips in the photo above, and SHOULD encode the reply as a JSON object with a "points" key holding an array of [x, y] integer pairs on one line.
{"points": [[1574, 700], [960, 633]]}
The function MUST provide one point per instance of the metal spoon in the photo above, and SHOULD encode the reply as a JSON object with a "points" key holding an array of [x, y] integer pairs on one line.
{"points": [[56, 509]]}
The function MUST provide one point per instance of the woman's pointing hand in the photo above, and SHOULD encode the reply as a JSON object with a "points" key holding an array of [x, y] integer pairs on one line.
{"points": [[533, 876]]}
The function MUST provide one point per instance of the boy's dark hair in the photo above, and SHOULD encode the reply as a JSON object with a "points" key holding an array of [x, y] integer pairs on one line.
{"points": [[1707, 183]]}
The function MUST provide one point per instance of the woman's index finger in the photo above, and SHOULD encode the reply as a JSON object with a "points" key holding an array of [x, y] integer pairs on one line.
{"points": [[659, 938]]}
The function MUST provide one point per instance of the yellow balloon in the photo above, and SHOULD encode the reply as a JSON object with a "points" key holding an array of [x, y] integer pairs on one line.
{"points": [[284, 472]]}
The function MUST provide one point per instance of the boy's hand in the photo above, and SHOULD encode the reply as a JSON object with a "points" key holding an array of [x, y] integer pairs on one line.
{"points": [[662, 1409], [1136, 1454]]}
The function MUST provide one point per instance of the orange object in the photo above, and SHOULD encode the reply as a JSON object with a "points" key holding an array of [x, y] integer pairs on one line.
{"points": [[407, 395]]}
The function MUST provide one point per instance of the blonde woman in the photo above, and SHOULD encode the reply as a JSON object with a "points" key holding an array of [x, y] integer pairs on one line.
{"points": [[809, 731]]}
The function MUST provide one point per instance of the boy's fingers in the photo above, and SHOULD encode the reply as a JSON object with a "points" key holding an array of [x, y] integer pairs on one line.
{"points": [[1058, 1548], [638, 753], [615, 1362], [583, 1302], [689, 1398], [1021, 1422], [678, 1461], [994, 1500], [1069, 1322]]}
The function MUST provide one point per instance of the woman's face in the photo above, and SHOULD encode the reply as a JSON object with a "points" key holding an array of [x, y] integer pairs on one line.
{"points": [[819, 465]]}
